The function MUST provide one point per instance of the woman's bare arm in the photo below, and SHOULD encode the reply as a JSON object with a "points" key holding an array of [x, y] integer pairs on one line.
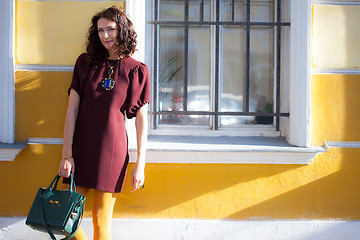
{"points": [[67, 165]]}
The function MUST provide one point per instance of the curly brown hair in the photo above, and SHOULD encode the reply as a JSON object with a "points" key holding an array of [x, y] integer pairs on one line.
{"points": [[96, 52]]}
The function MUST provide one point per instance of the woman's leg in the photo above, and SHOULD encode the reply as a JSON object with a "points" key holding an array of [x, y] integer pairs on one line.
{"points": [[80, 234], [102, 214]]}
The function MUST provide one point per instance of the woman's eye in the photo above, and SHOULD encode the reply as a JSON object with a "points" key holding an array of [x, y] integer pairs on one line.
{"points": [[100, 30], [111, 29]]}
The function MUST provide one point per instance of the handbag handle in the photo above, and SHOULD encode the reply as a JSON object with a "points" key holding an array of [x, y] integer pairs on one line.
{"points": [[56, 180]]}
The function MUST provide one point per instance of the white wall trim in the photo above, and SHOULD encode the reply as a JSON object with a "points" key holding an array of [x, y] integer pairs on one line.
{"points": [[334, 2], [300, 59], [7, 53], [44, 68], [136, 12], [232, 157], [165, 229], [180, 150], [346, 71], [45, 141], [342, 144], [68, 0], [8, 152]]}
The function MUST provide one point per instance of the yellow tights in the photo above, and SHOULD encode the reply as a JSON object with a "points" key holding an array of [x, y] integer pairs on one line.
{"points": [[101, 215]]}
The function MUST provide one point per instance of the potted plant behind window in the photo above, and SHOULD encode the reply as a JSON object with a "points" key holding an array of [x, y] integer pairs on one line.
{"points": [[269, 108], [169, 101]]}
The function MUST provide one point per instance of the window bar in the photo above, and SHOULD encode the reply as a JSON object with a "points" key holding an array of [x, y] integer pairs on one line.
{"points": [[155, 104], [217, 52], [186, 48], [222, 23], [233, 11], [202, 11], [247, 97], [278, 58]]}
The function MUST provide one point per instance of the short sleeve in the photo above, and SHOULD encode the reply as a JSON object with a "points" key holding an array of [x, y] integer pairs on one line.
{"points": [[78, 76], [139, 90]]}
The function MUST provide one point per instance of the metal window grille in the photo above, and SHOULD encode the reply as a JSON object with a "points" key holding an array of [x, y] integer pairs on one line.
{"points": [[248, 24]]}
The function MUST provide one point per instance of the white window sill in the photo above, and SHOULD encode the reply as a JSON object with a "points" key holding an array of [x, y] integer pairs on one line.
{"points": [[8, 152], [202, 149], [246, 150]]}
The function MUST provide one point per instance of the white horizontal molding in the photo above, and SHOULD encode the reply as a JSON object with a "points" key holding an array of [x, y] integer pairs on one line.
{"points": [[342, 144], [336, 2], [44, 68], [349, 71], [227, 150], [221, 157], [230, 150], [70, 0], [45, 141], [8, 152], [245, 131]]}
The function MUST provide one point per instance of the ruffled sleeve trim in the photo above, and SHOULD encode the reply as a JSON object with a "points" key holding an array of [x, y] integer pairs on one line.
{"points": [[139, 89]]}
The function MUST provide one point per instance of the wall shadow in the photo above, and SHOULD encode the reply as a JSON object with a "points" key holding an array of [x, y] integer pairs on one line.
{"points": [[193, 190], [333, 196]]}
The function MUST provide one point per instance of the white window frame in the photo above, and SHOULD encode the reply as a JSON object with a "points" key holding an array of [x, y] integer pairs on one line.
{"points": [[8, 148], [7, 67], [300, 73], [296, 128]]}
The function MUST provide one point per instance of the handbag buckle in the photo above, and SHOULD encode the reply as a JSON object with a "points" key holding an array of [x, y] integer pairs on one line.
{"points": [[53, 202]]}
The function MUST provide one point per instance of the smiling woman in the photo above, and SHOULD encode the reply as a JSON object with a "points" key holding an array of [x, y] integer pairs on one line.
{"points": [[95, 149], [107, 32]]}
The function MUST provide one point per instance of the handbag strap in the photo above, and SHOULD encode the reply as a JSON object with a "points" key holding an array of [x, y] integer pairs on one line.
{"points": [[72, 186], [47, 225]]}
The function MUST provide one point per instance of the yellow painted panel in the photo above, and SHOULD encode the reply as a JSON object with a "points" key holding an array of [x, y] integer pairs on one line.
{"points": [[54, 32], [336, 33], [40, 103], [335, 102], [324, 189]]}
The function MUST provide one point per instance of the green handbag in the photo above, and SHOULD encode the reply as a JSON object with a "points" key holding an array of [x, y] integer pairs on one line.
{"points": [[55, 211]]}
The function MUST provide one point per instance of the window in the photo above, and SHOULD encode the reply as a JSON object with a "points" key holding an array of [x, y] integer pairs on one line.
{"points": [[295, 92], [216, 63]]}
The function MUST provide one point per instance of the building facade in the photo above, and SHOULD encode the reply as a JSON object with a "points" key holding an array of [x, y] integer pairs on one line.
{"points": [[215, 66]]}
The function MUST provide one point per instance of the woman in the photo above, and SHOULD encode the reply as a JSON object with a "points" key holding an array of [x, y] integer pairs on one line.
{"points": [[107, 83]]}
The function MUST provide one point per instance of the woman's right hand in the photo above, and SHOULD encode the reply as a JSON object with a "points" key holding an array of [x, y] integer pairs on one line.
{"points": [[66, 167]]}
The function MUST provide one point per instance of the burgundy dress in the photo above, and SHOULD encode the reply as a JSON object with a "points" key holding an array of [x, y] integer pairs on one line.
{"points": [[100, 148]]}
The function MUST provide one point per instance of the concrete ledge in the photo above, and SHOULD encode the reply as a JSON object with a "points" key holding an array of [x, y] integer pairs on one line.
{"points": [[219, 149], [163, 229], [8, 152]]}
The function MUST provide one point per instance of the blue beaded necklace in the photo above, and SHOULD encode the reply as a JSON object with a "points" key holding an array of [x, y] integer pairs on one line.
{"points": [[109, 83]]}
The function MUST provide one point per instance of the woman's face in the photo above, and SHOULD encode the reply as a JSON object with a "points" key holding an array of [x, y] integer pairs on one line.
{"points": [[108, 32]]}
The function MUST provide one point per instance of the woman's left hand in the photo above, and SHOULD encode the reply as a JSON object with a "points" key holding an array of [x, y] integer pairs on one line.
{"points": [[137, 177]]}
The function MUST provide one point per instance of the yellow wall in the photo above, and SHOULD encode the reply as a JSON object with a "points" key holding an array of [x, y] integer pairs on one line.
{"points": [[336, 34], [322, 190], [54, 32], [335, 105], [41, 98], [335, 97]]}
